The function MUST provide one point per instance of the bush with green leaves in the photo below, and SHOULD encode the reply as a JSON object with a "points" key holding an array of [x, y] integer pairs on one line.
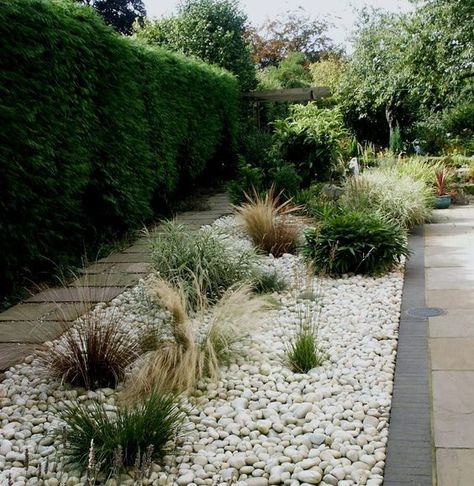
{"points": [[265, 282], [358, 242], [99, 132], [201, 263], [115, 441], [310, 138], [391, 191]]}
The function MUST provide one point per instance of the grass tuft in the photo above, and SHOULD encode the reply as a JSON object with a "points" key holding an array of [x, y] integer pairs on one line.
{"points": [[303, 353], [131, 432], [268, 282], [92, 354], [267, 223]]}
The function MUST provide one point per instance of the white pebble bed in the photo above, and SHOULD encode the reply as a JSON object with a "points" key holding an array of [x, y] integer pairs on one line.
{"points": [[260, 424]]}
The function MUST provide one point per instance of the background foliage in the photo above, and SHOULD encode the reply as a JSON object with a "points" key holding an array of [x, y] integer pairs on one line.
{"points": [[98, 132]]}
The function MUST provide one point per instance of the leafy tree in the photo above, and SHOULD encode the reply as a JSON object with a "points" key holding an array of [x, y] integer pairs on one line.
{"points": [[120, 14], [292, 72], [212, 30], [328, 72], [293, 31]]}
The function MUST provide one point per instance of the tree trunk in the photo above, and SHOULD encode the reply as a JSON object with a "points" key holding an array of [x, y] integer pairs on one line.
{"points": [[390, 117]]}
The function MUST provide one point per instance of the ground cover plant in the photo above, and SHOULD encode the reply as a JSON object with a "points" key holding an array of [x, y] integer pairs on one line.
{"points": [[266, 221], [351, 241], [199, 262], [131, 434]]}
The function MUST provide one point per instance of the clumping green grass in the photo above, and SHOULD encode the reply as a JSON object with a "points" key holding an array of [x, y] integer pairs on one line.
{"points": [[200, 263], [94, 435], [303, 352], [268, 282]]}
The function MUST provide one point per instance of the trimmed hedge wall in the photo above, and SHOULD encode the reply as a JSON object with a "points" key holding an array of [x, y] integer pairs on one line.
{"points": [[98, 132]]}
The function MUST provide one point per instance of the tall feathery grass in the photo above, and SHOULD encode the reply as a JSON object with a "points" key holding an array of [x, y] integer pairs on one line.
{"points": [[192, 354], [266, 221]]}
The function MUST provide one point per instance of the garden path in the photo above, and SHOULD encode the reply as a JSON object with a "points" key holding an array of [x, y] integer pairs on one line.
{"points": [[42, 317], [449, 277]]}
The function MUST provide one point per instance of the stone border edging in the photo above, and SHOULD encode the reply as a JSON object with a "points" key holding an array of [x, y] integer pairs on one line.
{"points": [[409, 458]]}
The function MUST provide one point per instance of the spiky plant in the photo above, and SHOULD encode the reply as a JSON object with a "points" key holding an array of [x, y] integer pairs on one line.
{"points": [[146, 427], [94, 353], [266, 221]]}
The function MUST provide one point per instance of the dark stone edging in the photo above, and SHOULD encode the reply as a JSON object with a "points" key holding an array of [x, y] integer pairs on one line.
{"points": [[409, 450]]}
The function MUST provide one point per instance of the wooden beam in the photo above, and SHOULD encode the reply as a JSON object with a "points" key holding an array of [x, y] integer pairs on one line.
{"points": [[292, 94]]}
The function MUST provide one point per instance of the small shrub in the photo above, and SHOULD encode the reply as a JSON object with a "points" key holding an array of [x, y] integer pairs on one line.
{"points": [[247, 178], [268, 282], [131, 432], [303, 353], [310, 138], [396, 142], [286, 180], [92, 354], [355, 242], [199, 262], [267, 223]]}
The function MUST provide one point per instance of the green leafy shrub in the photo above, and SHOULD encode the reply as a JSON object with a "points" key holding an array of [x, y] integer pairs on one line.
{"points": [[199, 262], [99, 132], [393, 193], [286, 180], [355, 242], [130, 432], [310, 138], [247, 179]]}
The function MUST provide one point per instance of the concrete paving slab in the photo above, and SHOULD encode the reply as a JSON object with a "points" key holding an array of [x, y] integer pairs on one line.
{"points": [[438, 256], [455, 467], [13, 353], [450, 299], [141, 268], [107, 280], [452, 353], [456, 323], [127, 258], [450, 278], [28, 312], [30, 331], [453, 409], [77, 294]]}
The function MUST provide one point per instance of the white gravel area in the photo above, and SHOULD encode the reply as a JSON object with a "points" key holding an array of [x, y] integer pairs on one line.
{"points": [[260, 424]]}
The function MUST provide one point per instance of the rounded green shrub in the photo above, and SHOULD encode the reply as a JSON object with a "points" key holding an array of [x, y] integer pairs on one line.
{"points": [[355, 242]]}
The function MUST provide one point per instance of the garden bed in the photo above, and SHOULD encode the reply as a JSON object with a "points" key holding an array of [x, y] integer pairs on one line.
{"points": [[260, 422]]}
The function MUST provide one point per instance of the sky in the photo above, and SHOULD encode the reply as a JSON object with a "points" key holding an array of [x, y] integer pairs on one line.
{"points": [[342, 12]]}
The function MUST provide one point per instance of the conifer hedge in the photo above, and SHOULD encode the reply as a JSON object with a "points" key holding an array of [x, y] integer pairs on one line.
{"points": [[97, 131]]}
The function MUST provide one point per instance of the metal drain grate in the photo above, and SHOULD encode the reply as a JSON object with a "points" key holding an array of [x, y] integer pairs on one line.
{"points": [[425, 312]]}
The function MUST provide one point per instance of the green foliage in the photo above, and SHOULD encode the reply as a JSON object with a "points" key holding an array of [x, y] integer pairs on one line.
{"points": [[310, 138], [268, 282], [247, 179], [286, 180], [292, 72], [199, 262], [119, 14], [328, 72], [212, 30], [393, 193], [303, 353], [353, 241], [396, 143], [98, 132], [123, 437]]}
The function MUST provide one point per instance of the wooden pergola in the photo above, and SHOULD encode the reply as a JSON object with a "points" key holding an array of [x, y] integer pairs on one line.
{"points": [[289, 95]]}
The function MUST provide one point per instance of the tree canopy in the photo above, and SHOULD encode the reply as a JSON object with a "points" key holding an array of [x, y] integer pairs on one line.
{"points": [[212, 30]]}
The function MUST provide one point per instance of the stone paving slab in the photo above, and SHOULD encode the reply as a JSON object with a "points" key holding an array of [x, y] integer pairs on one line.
{"points": [[77, 294], [456, 323], [135, 268], [450, 299], [13, 353], [143, 257], [453, 409], [30, 331], [456, 353], [28, 312], [107, 280], [449, 278], [456, 467]]}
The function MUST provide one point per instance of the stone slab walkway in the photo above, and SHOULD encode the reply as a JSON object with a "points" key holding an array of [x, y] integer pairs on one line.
{"points": [[43, 316], [449, 274]]}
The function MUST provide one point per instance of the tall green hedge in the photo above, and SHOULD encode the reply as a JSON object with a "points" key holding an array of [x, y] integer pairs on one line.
{"points": [[97, 131]]}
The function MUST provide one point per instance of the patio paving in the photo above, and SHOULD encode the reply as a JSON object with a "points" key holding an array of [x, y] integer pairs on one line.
{"points": [[43, 316], [449, 272]]}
